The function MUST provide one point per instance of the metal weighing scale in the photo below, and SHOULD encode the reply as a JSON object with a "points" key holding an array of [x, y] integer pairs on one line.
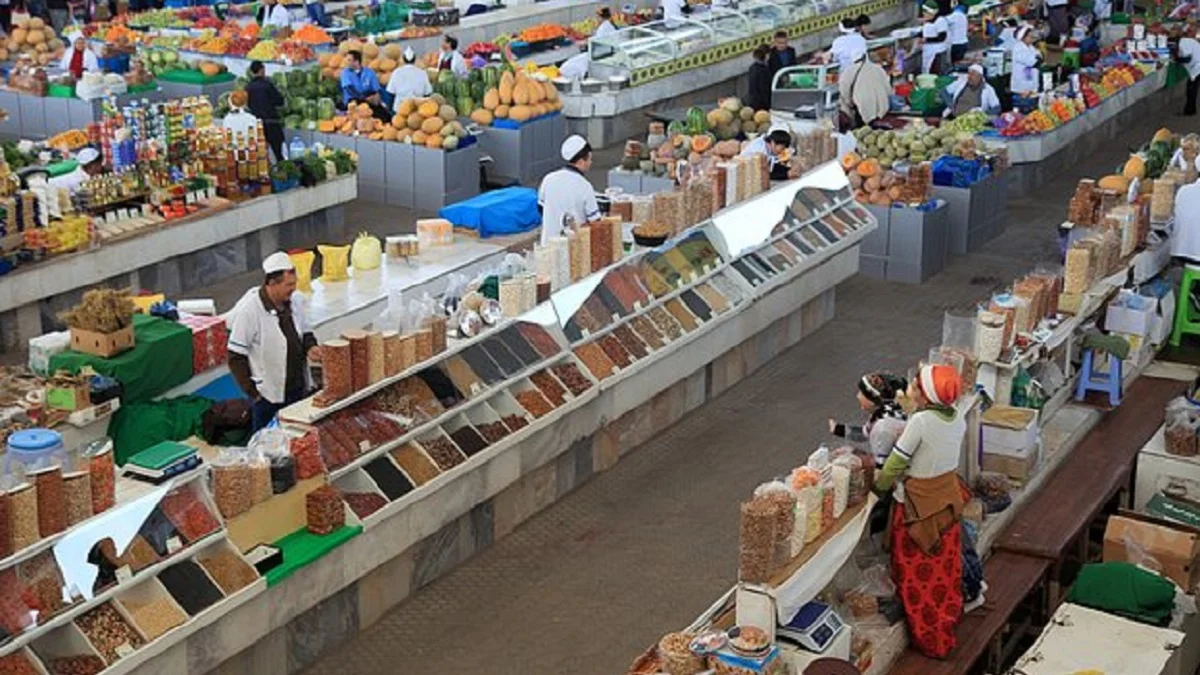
{"points": [[814, 627]]}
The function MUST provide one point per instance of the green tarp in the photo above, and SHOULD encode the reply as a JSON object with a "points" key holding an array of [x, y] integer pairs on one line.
{"points": [[161, 358], [138, 426], [303, 547]]}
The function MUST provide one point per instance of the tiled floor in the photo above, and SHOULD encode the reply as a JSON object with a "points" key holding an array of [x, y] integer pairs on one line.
{"points": [[642, 549]]}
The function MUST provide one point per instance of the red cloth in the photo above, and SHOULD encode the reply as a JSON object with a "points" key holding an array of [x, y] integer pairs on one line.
{"points": [[76, 66], [929, 586]]}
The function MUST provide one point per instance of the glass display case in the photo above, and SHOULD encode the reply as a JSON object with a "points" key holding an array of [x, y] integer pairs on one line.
{"points": [[727, 25], [629, 48], [798, 10], [765, 16]]}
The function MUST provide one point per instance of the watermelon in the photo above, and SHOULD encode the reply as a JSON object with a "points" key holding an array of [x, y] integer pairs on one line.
{"points": [[325, 108], [464, 106], [697, 121], [478, 89], [676, 128], [312, 77], [280, 81], [293, 122], [491, 77], [310, 110]]}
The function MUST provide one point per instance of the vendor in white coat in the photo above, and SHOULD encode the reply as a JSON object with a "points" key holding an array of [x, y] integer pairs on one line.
{"points": [[450, 59], [79, 58], [576, 67], [606, 26], [1025, 77], [972, 92], [847, 45], [408, 81], [271, 342], [88, 165], [673, 11], [272, 13], [566, 196], [935, 40]]}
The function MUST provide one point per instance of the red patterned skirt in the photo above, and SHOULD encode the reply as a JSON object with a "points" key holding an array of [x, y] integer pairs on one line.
{"points": [[929, 586]]}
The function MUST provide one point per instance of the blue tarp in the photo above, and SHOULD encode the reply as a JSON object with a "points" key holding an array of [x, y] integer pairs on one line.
{"points": [[952, 171], [495, 213]]}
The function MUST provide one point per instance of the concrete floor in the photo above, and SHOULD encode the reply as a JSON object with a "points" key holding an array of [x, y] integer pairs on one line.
{"points": [[642, 549]]}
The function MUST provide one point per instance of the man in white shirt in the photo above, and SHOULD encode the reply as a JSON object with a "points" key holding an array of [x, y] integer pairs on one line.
{"points": [[935, 41], [1189, 56], [271, 13], [450, 59], [576, 67], [270, 342], [847, 45], [88, 164], [566, 197], [408, 81], [673, 11], [957, 22]]}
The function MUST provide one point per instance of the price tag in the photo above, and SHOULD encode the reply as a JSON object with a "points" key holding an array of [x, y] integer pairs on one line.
{"points": [[637, 305], [124, 650], [364, 446], [211, 192], [173, 545], [584, 332], [123, 214], [124, 574], [476, 388], [616, 318], [110, 217], [189, 198], [147, 209]]}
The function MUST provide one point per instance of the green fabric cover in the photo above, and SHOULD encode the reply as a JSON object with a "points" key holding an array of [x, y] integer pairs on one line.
{"points": [[138, 426], [61, 168], [303, 547], [194, 77], [1125, 590], [161, 358], [1111, 344]]}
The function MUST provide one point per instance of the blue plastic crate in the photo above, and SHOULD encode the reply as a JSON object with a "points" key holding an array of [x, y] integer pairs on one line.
{"points": [[118, 64]]}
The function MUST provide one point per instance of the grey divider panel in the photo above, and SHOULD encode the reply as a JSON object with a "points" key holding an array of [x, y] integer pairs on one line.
{"points": [[872, 266], [544, 144], [506, 149], [11, 126], [371, 166], [462, 174], [876, 243], [81, 113], [398, 165], [57, 114], [318, 137], [916, 244], [340, 141], [959, 214], [429, 178], [33, 116], [653, 184], [629, 181]]}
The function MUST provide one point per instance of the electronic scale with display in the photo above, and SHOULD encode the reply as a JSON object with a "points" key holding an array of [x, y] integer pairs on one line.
{"points": [[814, 627]]}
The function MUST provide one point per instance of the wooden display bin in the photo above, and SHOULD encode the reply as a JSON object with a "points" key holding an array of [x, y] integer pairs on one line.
{"points": [[102, 344]]}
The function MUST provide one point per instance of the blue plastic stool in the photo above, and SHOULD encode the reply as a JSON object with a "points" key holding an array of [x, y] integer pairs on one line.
{"points": [[1090, 380]]}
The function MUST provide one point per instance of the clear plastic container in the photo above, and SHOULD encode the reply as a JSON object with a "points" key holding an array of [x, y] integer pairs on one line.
{"points": [[34, 449]]}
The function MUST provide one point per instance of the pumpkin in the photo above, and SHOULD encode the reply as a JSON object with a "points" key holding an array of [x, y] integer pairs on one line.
{"points": [[323, 59], [894, 193], [1114, 182], [432, 125], [400, 121], [1135, 167], [551, 92], [434, 142], [862, 197], [370, 50], [415, 120], [392, 51], [481, 116], [364, 112], [856, 180], [428, 109], [502, 111], [520, 113], [506, 92], [868, 168], [387, 64], [850, 160], [335, 61], [364, 125], [404, 135], [238, 99], [491, 99], [19, 35], [35, 23], [701, 143]]}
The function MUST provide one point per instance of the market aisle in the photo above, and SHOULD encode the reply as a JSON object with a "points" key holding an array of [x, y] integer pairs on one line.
{"points": [[643, 548]]}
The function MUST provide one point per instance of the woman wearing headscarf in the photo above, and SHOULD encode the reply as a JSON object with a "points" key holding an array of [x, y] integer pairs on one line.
{"points": [[79, 58], [935, 39], [877, 393], [926, 538], [1025, 61]]}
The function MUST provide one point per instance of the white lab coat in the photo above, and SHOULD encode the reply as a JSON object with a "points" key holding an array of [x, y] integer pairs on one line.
{"points": [[458, 65], [1007, 39], [563, 193], [278, 17], [672, 11], [957, 23], [1190, 47], [408, 81], [69, 181], [606, 27], [845, 47], [931, 51], [1185, 242], [1025, 77], [254, 333], [91, 64], [990, 102], [576, 67]]}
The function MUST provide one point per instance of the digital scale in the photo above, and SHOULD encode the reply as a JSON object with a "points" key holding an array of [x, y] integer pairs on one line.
{"points": [[814, 627]]}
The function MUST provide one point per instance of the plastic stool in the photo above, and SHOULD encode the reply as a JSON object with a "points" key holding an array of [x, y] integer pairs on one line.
{"points": [[1090, 380], [1185, 320]]}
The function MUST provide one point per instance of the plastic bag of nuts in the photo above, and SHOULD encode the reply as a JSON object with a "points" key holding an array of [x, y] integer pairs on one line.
{"points": [[757, 536], [232, 480]]}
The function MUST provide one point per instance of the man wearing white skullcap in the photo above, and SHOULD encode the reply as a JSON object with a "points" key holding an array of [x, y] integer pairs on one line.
{"points": [[972, 92], [408, 81], [89, 164], [1026, 59], [270, 341], [566, 197]]}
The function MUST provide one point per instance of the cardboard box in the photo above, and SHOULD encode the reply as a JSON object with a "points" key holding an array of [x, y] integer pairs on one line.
{"points": [[210, 341], [1130, 313], [1020, 469], [1170, 548], [1010, 431], [102, 344]]}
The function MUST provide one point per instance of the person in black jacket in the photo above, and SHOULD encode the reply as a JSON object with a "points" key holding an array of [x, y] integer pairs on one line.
{"points": [[759, 77], [782, 54], [263, 101]]}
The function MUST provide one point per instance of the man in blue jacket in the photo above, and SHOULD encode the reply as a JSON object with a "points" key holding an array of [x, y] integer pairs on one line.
{"points": [[360, 85]]}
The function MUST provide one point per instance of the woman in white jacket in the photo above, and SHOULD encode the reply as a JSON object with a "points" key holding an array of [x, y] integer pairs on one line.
{"points": [[1025, 62], [79, 58]]}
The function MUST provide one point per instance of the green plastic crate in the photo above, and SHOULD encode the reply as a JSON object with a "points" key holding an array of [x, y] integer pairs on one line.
{"points": [[194, 77], [926, 101], [61, 90]]}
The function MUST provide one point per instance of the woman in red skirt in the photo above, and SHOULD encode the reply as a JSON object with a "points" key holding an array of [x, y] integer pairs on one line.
{"points": [[926, 536]]}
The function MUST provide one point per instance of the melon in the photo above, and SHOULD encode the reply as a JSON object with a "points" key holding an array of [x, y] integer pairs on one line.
{"points": [[1114, 182], [520, 94], [520, 113], [432, 125], [491, 99], [482, 116]]}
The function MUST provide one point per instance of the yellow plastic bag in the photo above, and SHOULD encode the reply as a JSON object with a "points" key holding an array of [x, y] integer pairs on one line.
{"points": [[366, 253], [334, 261], [303, 261]]}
